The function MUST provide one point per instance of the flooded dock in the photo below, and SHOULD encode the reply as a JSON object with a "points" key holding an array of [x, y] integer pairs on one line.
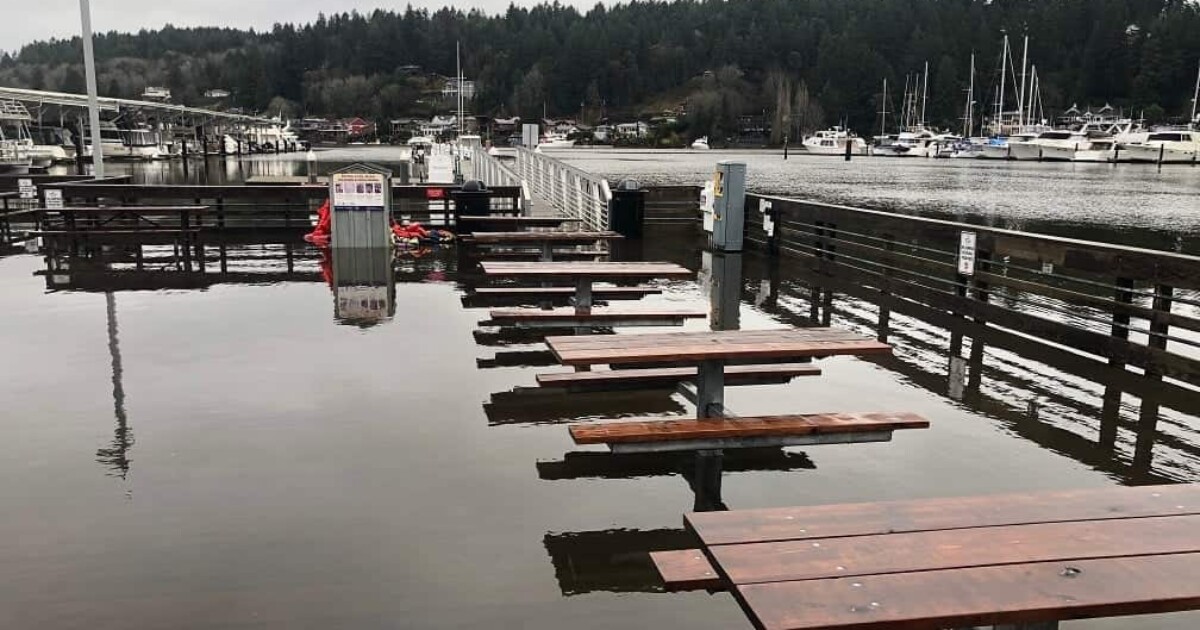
{"points": [[216, 442]]}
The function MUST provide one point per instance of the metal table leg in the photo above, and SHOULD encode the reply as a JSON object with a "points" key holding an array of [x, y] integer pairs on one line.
{"points": [[710, 389]]}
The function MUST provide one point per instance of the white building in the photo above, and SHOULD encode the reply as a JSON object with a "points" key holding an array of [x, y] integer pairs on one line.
{"points": [[450, 89]]}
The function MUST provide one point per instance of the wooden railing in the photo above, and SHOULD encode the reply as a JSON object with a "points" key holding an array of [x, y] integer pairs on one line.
{"points": [[1130, 306]]}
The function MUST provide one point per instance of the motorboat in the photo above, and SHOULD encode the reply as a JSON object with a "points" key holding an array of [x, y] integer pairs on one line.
{"points": [[555, 141], [503, 153], [1164, 147], [56, 143], [15, 142], [1055, 145], [701, 144], [833, 141], [907, 144]]}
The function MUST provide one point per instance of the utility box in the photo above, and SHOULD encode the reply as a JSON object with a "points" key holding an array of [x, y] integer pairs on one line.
{"points": [[627, 209], [530, 135], [728, 206], [472, 199], [361, 200]]}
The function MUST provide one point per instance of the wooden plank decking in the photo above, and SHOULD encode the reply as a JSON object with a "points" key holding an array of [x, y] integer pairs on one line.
{"points": [[741, 345], [955, 562]]}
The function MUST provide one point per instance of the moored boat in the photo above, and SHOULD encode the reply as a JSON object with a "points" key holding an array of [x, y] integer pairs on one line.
{"points": [[833, 141]]}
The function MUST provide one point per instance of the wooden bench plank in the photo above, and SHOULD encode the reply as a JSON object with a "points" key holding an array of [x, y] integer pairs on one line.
{"points": [[725, 346], [591, 270], [511, 222], [641, 431], [533, 238], [602, 293], [558, 254], [686, 570], [1023, 593], [791, 560], [610, 380], [859, 519], [601, 315]]}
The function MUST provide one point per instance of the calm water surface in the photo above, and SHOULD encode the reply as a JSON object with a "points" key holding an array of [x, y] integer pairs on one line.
{"points": [[238, 456]]}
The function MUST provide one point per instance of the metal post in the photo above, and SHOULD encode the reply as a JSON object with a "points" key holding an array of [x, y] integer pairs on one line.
{"points": [[710, 389], [89, 66], [583, 296]]}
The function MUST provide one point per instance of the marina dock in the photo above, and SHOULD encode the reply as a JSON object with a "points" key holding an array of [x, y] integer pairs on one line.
{"points": [[624, 375]]}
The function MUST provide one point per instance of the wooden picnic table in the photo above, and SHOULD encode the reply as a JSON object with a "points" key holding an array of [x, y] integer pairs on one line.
{"points": [[584, 274], [544, 241], [104, 215], [120, 221], [1016, 561], [710, 352]]}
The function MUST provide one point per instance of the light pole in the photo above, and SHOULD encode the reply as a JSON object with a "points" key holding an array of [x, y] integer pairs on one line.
{"points": [[89, 67]]}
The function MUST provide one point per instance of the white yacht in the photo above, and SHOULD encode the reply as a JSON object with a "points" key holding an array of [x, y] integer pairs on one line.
{"points": [[1166, 147], [701, 144], [833, 141], [1056, 145], [15, 142], [56, 143], [554, 140], [907, 144]]}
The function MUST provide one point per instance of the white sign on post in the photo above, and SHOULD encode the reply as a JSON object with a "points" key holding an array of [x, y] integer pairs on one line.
{"points": [[27, 189], [764, 207], [54, 199], [966, 253]]}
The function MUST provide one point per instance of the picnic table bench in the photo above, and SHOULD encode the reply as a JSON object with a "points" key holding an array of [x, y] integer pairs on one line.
{"points": [[544, 241], [1014, 561], [711, 352], [477, 222], [100, 218], [584, 275]]}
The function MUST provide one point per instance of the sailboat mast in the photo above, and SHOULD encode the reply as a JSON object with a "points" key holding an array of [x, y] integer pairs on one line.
{"points": [[1000, 98], [459, 91], [904, 106], [968, 111], [883, 119], [1196, 99], [925, 95], [1021, 97]]}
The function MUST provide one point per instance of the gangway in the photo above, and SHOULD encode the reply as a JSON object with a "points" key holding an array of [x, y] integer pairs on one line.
{"points": [[551, 186]]}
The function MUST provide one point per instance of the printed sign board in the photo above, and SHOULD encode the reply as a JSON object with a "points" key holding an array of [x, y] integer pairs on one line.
{"points": [[966, 253], [54, 199], [362, 302], [26, 189], [359, 191]]}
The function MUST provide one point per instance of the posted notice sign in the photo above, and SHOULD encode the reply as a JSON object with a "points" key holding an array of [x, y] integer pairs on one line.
{"points": [[359, 191], [54, 199], [966, 253], [26, 189]]}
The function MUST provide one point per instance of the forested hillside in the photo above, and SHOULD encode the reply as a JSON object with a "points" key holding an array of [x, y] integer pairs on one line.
{"points": [[822, 60]]}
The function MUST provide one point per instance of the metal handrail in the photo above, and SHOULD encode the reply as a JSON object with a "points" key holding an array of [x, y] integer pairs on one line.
{"points": [[571, 191]]}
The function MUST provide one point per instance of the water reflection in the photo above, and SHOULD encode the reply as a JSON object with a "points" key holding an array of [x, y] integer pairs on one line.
{"points": [[364, 284], [1093, 411], [613, 561], [116, 457]]}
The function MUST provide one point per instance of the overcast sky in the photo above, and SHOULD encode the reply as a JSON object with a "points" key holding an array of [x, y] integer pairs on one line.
{"points": [[44, 19]]}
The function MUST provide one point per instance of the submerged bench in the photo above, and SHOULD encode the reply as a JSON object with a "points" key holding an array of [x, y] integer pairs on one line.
{"points": [[600, 293], [537, 238], [596, 317], [1018, 561], [475, 222], [649, 378], [718, 433]]}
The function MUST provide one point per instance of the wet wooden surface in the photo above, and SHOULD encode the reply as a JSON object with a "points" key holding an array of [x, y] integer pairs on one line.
{"points": [[585, 270], [943, 563], [736, 345], [489, 238], [719, 428]]}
